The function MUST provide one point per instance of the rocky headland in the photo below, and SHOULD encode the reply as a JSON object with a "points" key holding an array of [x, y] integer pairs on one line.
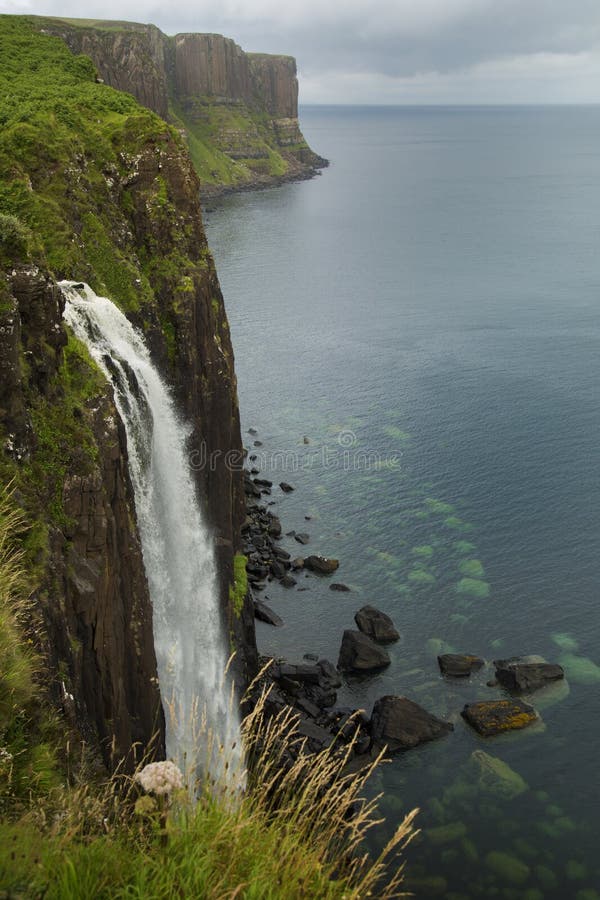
{"points": [[237, 111]]}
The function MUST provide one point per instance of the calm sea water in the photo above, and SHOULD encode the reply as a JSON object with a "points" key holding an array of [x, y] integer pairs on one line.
{"points": [[427, 314]]}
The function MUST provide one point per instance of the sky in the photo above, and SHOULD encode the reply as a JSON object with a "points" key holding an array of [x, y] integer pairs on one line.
{"points": [[394, 51]]}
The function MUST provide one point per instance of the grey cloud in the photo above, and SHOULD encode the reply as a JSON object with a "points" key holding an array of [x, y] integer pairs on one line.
{"points": [[391, 38]]}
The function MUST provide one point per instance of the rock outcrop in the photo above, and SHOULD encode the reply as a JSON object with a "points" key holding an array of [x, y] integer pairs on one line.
{"points": [[242, 108], [92, 605], [127, 219]]}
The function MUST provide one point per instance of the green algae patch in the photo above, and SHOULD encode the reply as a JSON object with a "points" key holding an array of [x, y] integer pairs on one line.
{"points": [[425, 551], [396, 433], [508, 868], [580, 669], [472, 568], [438, 507], [463, 547], [446, 834], [565, 641], [421, 577], [473, 587]]}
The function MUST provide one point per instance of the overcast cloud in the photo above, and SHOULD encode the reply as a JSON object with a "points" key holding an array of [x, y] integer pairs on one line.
{"points": [[395, 51]]}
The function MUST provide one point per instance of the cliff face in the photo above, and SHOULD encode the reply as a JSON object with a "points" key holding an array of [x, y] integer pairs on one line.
{"points": [[238, 111], [130, 60], [94, 613], [275, 81], [96, 188]]}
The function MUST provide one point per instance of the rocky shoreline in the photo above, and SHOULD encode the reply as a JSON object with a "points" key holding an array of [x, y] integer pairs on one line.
{"points": [[309, 688], [210, 194]]}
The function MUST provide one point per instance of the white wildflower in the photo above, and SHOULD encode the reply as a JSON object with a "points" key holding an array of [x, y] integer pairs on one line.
{"points": [[160, 778]]}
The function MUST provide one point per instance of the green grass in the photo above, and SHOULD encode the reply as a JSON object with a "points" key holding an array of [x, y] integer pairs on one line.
{"points": [[291, 833], [28, 762], [223, 139], [66, 151], [239, 588]]}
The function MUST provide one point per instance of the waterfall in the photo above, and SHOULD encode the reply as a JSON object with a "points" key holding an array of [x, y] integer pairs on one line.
{"points": [[176, 544]]}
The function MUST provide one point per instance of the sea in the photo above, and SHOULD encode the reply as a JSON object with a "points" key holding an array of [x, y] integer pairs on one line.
{"points": [[417, 344]]}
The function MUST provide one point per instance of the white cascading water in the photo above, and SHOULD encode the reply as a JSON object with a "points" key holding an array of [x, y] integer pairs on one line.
{"points": [[202, 723]]}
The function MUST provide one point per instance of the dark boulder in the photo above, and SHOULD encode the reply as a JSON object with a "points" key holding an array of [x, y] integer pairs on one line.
{"points": [[277, 569], [459, 665], [287, 581], [302, 537], [321, 564], [523, 677], [281, 554], [265, 614], [359, 653], [491, 717], [317, 738], [330, 673], [401, 724], [376, 625], [285, 487], [337, 586], [274, 527]]}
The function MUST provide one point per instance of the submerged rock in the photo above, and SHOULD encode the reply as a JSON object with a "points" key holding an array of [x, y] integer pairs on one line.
{"points": [[302, 537], [338, 586], [494, 776], [376, 625], [519, 676], [359, 653], [507, 867], [490, 717], [285, 487], [265, 614], [402, 724], [459, 665], [321, 564]]}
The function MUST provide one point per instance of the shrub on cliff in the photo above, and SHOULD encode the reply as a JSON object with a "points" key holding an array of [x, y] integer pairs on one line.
{"points": [[15, 238]]}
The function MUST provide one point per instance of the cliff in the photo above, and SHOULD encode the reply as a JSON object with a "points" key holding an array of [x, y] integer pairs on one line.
{"points": [[238, 111], [96, 188]]}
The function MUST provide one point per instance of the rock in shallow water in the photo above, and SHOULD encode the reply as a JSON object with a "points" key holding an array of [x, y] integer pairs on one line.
{"points": [[517, 675], [459, 665], [359, 653], [494, 776], [265, 614], [321, 564], [491, 717], [376, 625], [401, 724]]}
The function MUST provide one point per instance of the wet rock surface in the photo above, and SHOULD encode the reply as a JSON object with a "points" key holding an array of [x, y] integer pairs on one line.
{"points": [[458, 665], [400, 724], [520, 676], [490, 717], [376, 624], [359, 653], [321, 565]]}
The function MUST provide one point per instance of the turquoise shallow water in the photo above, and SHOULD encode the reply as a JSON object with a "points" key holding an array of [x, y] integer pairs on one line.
{"points": [[427, 314]]}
